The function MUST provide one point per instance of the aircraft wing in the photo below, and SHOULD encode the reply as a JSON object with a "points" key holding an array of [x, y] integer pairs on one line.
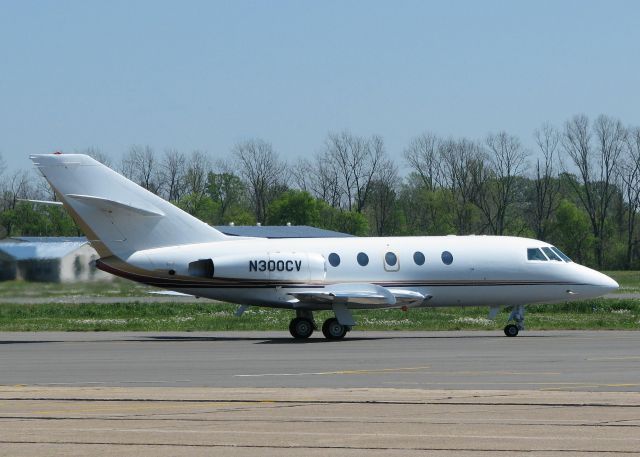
{"points": [[359, 293], [409, 297]]}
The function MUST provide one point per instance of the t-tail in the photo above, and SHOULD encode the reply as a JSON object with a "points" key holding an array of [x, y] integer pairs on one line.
{"points": [[118, 216]]}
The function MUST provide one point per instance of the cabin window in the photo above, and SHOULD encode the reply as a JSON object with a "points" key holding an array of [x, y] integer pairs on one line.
{"points": [[418, 258], [391, 262], [334, 259], [447, 258], [552, 255], [562, 255], [363, 259], [390, 259], [535, 254]]}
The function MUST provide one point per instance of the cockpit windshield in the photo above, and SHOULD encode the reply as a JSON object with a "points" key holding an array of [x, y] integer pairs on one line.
{"points": [[547, 253], [552, 255], [535, 254], [562, 255]]}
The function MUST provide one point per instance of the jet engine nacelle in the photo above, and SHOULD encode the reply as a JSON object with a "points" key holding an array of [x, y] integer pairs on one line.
{"points": [[290, 266], [261, 266]]}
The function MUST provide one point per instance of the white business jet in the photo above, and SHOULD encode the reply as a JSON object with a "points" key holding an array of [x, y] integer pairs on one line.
{"points": [[140, 236]]}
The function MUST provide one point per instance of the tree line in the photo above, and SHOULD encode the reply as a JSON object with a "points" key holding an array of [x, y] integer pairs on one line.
{"points": [[578, 189]]}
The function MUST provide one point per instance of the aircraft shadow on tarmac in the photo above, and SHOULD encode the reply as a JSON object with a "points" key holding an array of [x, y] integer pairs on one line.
{"points": [[28, 341], [288, 340], [256, 340], [268, 340]]}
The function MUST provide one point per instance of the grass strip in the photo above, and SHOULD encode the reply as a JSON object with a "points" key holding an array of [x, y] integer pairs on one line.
{"points": [[629, 280], [207, 316]]}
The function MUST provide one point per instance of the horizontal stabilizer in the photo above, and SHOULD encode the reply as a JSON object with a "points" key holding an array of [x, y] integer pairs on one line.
{"points": [[108, 205], [41, 202], [349, 293], [170, 293]]}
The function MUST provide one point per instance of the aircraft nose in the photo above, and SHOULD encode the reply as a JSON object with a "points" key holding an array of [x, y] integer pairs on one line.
{"points": [[606, 282]]}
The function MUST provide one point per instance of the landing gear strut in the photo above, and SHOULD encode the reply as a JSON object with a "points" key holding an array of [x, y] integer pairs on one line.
{"points": [[517, 316], [303, 325]]}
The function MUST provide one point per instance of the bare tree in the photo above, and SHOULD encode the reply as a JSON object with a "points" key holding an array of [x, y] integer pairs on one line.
{"points": [[15, 187], [173, 170], [319, 178], [141, 166], [424, 157], [263, 171], [349, 163], [464, 166], [545, 185], [630, 176], [97, 154], [495, 184], [194, 199], [382, 200], [597, 161], [300, 175], [345, 153], [197, 171]]}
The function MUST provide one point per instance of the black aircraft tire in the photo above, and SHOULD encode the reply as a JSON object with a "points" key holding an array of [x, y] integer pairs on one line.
{"points": [[333, 330], [301, 328], [511, 330]]}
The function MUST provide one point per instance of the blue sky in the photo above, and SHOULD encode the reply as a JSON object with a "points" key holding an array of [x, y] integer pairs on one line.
{"points": [[206, 74]]}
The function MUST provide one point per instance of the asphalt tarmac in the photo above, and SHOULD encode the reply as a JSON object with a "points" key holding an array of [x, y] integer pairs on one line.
{"points": [[158, 422], [558, 360], [443, 394]]}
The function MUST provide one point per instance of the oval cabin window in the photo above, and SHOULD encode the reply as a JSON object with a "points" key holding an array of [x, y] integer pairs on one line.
{"points": [[334, 259], [391, 259], [363, 259], [447, 258]]}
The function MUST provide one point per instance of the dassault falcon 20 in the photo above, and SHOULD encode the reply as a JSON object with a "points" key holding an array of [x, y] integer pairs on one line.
{"points": [[140, 236]]}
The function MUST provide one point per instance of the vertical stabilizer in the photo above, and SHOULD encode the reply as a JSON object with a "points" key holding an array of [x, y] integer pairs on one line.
{"points": [[118, 216]]}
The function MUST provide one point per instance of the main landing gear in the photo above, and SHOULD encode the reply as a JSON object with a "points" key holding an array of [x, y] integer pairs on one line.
{"points": [[333, 330], [303, 325], [517, 316]]}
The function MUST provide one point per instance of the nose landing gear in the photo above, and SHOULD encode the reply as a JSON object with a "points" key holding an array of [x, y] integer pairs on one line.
{"points": [[517, 316]]}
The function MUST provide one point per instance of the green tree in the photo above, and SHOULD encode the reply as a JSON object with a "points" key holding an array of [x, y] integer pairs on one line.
{"points": [[426, 211], [229, 194], [351, 222], [198, 205], [572, 232], [295, 206]]}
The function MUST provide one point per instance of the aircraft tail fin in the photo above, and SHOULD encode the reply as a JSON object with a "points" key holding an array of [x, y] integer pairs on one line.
{"points": [[118, 216]]}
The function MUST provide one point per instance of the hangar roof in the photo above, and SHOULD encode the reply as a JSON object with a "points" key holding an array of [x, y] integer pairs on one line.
{"points": [[279, 231]]}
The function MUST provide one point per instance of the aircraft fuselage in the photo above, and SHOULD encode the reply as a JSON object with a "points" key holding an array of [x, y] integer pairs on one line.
{"points": [[451, 270]]}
